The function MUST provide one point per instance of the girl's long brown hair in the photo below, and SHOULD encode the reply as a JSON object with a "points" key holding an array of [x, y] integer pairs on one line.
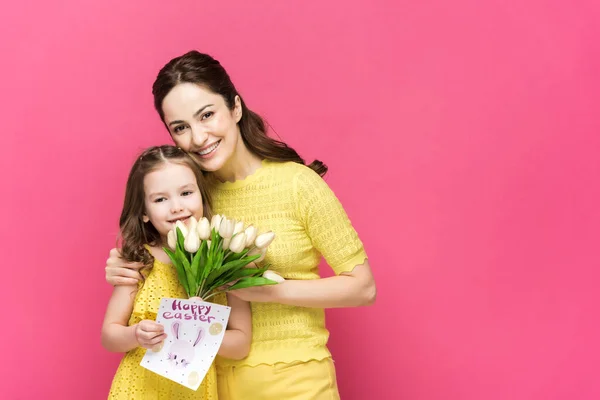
{"points": [[134, 232], [201, 69]]}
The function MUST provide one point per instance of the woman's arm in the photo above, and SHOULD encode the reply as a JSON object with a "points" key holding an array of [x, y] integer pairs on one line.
{"points": [[331, 233], [117, 336], [238, 336], [349, 289]]}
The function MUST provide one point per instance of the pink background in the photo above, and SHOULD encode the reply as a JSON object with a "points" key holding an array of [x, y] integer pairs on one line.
{"points": [[462, 137]]}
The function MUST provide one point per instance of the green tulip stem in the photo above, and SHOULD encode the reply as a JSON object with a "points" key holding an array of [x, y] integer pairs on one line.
{"points": [[210, 295]]}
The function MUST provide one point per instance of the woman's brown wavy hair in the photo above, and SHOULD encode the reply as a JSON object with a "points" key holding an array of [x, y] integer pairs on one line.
{"points": [[203, 70]]}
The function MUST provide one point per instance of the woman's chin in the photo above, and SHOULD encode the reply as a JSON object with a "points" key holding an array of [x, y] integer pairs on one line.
{"points": [[210, 165]]}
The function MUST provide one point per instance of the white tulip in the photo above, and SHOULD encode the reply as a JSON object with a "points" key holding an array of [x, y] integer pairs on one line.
{"points": [[226, 228], [172, 240], [239, 227], [203, 229], [255, 251], [191, 244], [238, 243], [192, 224], [215, 222], [225, 243], [182, 228], [273, 276], [251, 232], [264, 239]]}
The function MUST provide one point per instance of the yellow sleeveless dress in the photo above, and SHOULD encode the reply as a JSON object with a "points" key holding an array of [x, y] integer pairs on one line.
{"points": [[132, 381]]}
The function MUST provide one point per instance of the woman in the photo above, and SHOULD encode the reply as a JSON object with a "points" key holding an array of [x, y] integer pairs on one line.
{"points": [[264, 182]]}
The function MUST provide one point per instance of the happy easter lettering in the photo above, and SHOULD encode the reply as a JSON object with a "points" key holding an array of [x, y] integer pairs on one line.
{"points": [[189, 312]]}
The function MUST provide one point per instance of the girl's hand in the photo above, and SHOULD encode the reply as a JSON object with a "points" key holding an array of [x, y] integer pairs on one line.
{"points": [[150, 334], [119, 272]]}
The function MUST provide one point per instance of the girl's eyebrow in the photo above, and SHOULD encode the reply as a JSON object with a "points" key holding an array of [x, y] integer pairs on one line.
{"points": [[191, 185], [195, 115]]}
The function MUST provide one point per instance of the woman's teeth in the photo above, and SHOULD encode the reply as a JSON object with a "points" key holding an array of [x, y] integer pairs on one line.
{"points": [[210, 149]]}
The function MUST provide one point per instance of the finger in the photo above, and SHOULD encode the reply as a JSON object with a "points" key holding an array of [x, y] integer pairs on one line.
{"points": [[115, 252], [158, 347], [151, 326], [150, 337], [122, 272], [120, 263], [123, 281], [156, 340], [227, 285], [135, 266]]}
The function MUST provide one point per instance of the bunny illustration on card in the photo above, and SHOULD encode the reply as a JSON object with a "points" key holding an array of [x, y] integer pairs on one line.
{"points": [[182, 352]]}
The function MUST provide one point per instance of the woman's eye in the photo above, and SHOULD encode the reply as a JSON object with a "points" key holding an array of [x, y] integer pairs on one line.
{"points": [[207, 115], [179, 129]]}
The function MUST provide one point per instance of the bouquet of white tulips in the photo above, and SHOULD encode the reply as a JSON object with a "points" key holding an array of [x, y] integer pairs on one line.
{"points": [[212, 257]]}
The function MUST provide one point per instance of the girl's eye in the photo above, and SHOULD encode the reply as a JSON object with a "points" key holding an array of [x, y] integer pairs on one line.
{"points": [[207, 115], [187, 193], [159, 200]]}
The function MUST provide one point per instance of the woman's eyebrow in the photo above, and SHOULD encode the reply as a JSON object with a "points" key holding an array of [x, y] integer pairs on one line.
{"points": [[195, 115]]}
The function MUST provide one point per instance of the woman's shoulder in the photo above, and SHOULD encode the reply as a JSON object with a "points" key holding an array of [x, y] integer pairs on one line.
{"points": [[292, 170]]}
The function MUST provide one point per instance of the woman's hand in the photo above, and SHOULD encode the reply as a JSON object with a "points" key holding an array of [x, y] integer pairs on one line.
{"points": [[150, 334], [259, 294], [121, 273]]}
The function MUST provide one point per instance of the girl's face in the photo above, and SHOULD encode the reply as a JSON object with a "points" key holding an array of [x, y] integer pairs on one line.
{"points": [[201, 124], [171, 193]]}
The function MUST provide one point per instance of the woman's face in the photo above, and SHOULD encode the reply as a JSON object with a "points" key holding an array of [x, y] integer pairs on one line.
{"points": [[201, 124]]}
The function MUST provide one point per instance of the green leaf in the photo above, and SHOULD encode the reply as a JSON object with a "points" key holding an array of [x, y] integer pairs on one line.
{"points": [[223, 275], [195, 267], [214, 242], [236, 256], [180, 270], [251, 282], [180, 239], [218, 261], [202, 260], [170, 254], [235, 274], [242, 261], [191, 279]]}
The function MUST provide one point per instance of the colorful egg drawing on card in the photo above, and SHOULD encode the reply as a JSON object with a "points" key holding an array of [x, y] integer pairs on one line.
{"points": [[215, 328], [193, 378]]}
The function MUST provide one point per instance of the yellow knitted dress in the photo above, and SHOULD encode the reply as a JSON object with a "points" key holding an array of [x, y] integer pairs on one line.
{"points": [[132, 381], [309, 222]]}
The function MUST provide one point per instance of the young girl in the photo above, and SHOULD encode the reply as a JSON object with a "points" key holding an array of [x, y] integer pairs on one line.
{"points": [[164, 186]]}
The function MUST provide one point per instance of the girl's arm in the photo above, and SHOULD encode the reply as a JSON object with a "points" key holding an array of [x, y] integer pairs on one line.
{"points": [[238, 336], [117, 336], [349, 289]]}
